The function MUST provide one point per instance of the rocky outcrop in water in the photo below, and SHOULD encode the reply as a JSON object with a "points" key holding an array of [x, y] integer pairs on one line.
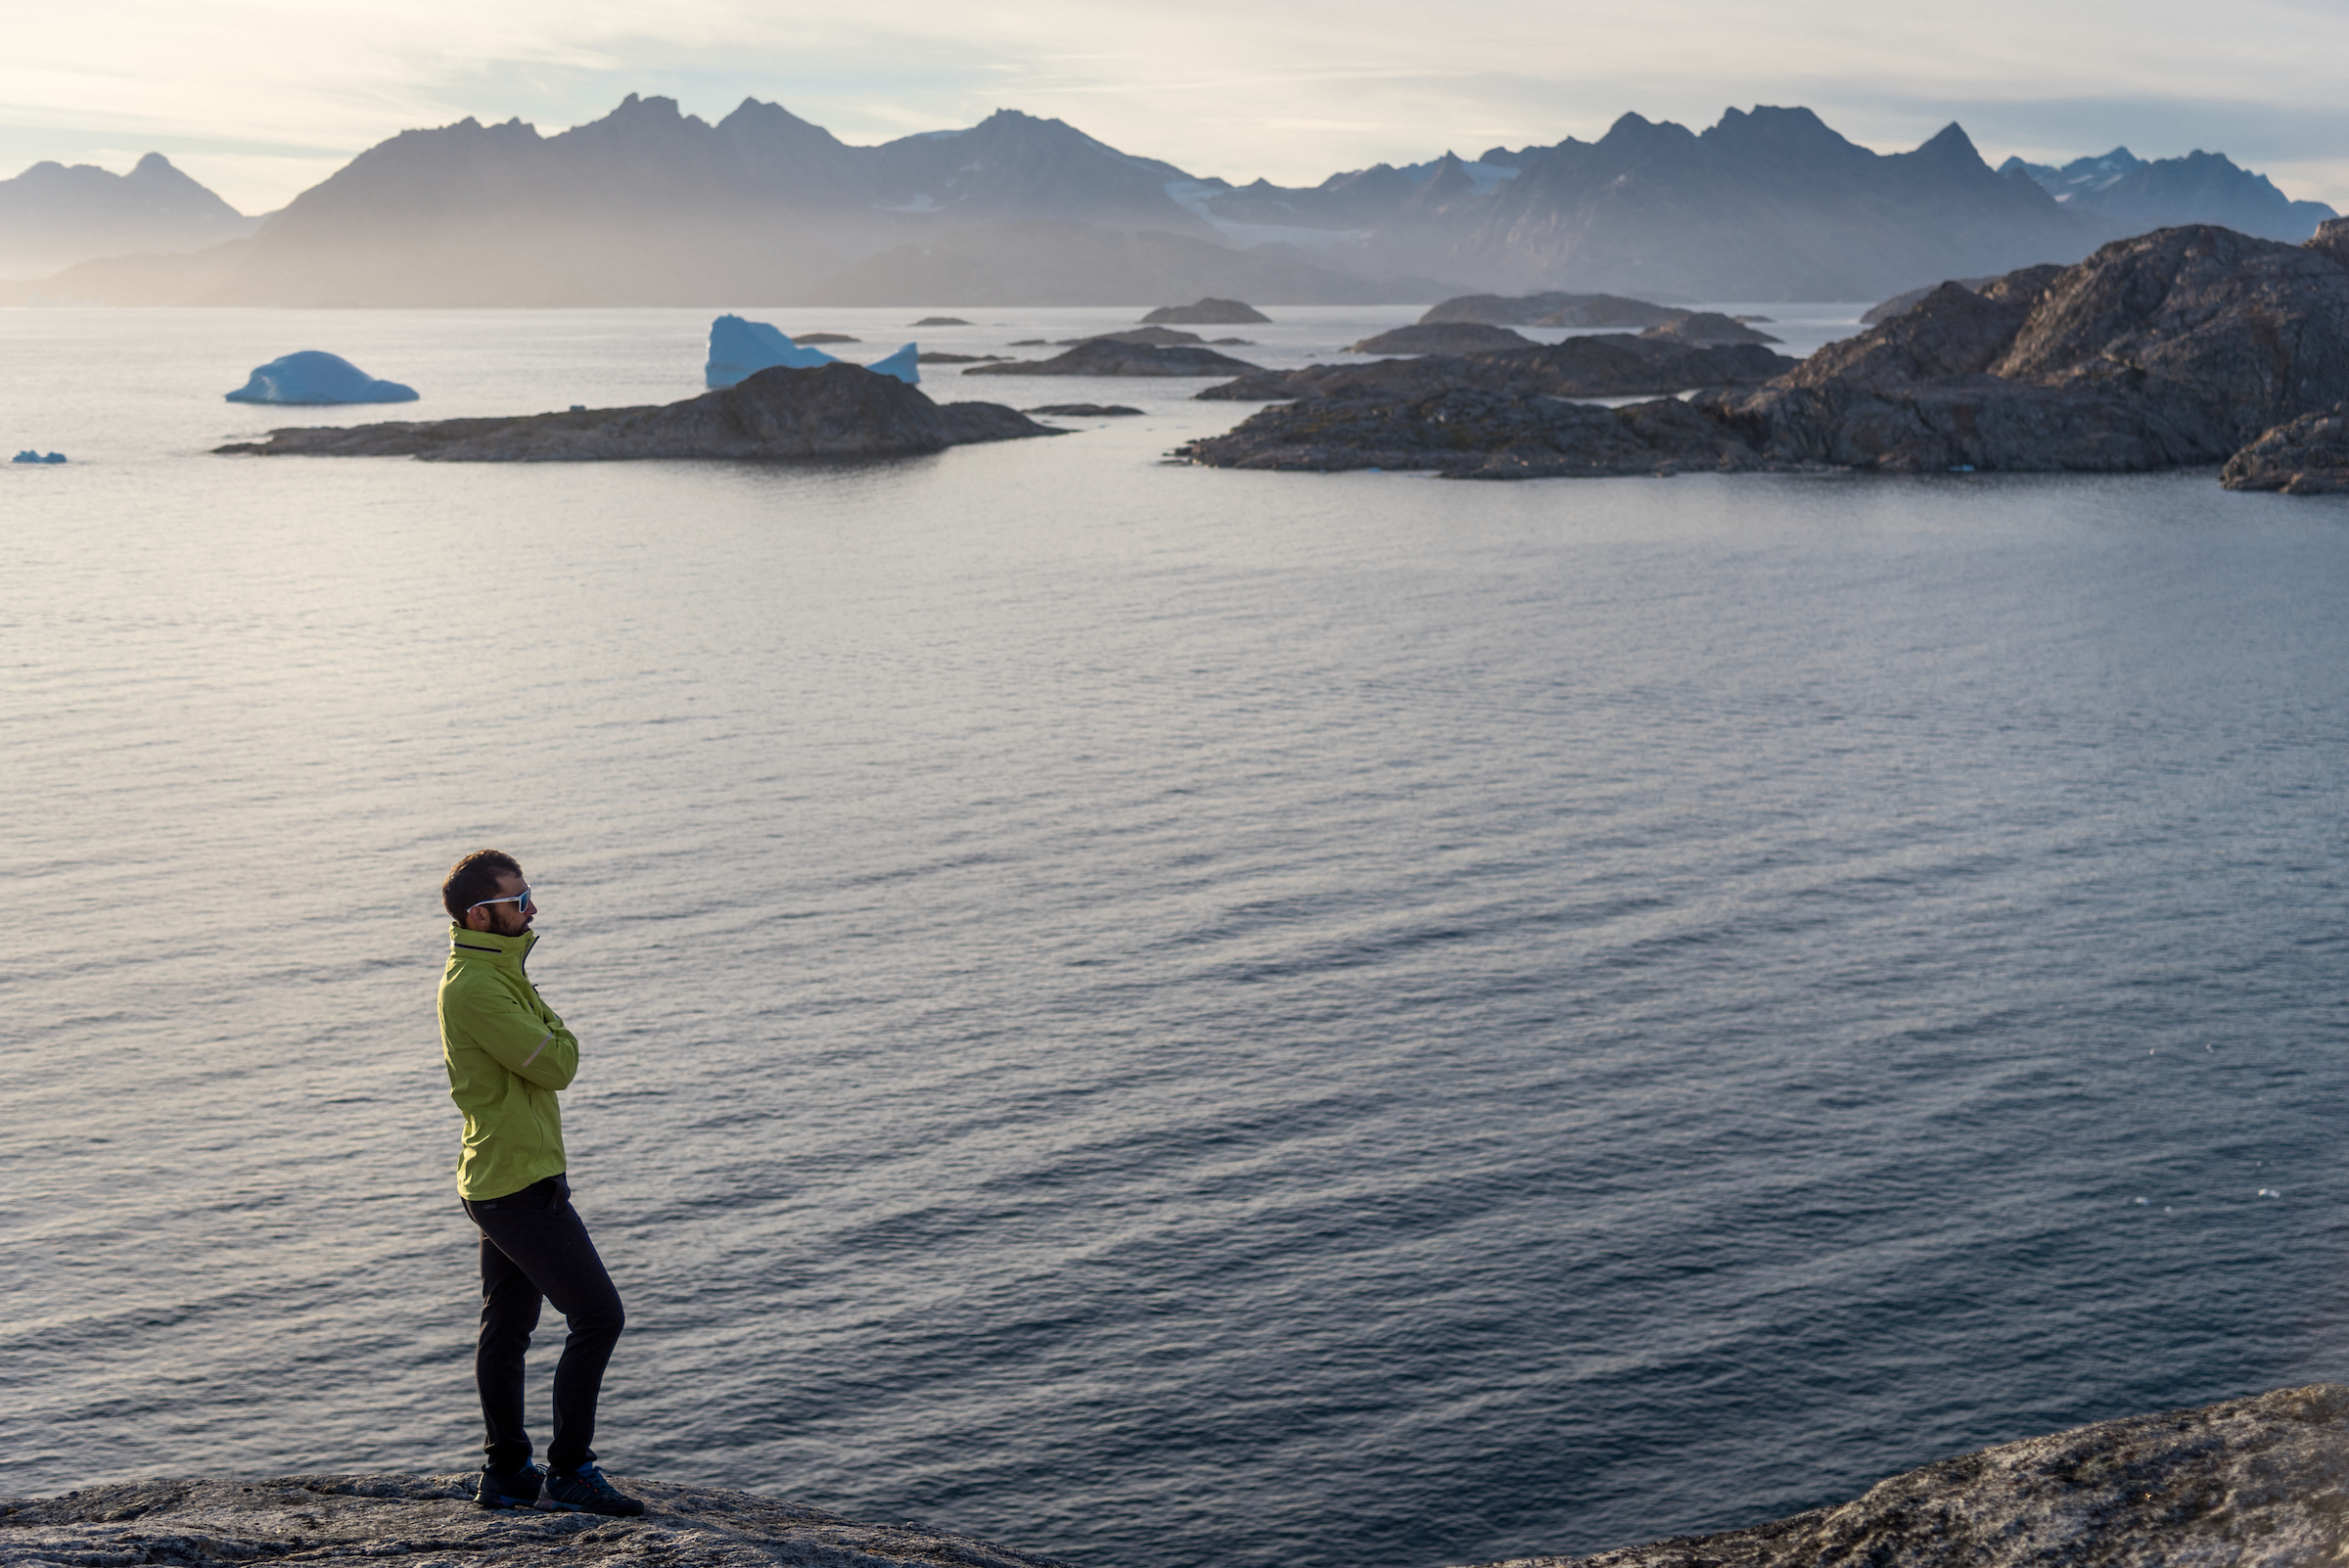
{"points": [[1207, 313], [1440, 338], [2171, 348], [2251, 1483], [1608, 365], [336, 1517], [833, 410], [1552, 309], [1707, 329], [1159, 337], [2309, 456], [1465, 433], [2174, 347], [1111, 356]]}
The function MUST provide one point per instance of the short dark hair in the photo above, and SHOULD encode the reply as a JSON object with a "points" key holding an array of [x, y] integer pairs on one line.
{"points": [[474, 879]]}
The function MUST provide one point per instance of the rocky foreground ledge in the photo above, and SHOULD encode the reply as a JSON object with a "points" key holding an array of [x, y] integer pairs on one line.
{"points": [[2251, 1483], [433, 1521]]}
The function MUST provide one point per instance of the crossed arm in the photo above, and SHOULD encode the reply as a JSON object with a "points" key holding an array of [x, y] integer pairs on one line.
{"points": [[530, 1044]]}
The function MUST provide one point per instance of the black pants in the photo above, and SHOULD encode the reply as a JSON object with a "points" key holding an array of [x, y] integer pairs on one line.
{"points": [[533, 1246]]}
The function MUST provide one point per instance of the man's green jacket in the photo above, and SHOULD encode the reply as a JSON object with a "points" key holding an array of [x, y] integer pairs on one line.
{"points": [[506, 1053]]}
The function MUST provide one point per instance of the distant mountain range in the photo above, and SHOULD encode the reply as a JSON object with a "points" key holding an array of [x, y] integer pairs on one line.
{"points": [[52, 216], [650, 206], [2127, 192]]}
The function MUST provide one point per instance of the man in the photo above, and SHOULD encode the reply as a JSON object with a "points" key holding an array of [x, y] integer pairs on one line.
{"points": [[507, 1053]]}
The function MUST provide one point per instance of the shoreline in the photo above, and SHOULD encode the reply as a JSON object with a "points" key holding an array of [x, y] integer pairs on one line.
{"points": [[2257, 1480]]}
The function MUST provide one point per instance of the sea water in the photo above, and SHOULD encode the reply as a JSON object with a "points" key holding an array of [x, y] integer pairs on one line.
{"points": [[1160, 1016]]}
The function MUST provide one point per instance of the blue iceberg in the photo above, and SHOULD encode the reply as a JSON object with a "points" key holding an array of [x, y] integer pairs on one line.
{"points": [[739, 349], [29, 455], [903, 364], [312, 377]]}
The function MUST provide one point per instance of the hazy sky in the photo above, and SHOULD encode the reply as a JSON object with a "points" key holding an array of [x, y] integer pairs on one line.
{"points": [[262, 98]]}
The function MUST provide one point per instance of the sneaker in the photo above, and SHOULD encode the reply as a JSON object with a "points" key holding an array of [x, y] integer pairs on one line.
{"points": [[520, 1489], [586, 1491]]}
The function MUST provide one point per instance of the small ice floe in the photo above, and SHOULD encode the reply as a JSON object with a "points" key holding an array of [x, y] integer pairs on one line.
{"points": [[313, 376], [2141, 1202], [29, 455], [2270, 1193]]}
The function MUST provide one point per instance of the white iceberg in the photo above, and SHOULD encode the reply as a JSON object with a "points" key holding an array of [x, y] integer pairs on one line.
{"points": [[313, 377], [739, 349]]}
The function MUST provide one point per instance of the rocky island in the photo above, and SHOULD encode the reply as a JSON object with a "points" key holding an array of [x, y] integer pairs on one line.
{"points": [[1550, 310], [1604, 365], [1708, 328], [2251, 1483], [1209, 314], [1121, 355], [1440, 338], [835, 410], [2175, 347]]}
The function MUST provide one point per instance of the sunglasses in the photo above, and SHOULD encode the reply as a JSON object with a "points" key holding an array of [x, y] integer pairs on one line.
{"points": [[521, 902]]}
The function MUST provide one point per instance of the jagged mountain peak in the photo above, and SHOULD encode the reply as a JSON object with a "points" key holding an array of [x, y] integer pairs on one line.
{"points": [[761, 111], [1951, 146], [634, 106], [1782, 126], [2135, 194], [1636, 130]]}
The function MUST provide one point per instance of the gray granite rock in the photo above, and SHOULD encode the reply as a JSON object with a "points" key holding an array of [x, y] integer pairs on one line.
{"points": [[432, 1521], [2307, 456], [2251, 1483], [833, 410], [1885, 311], [2236, 333], [2170, 349]]}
